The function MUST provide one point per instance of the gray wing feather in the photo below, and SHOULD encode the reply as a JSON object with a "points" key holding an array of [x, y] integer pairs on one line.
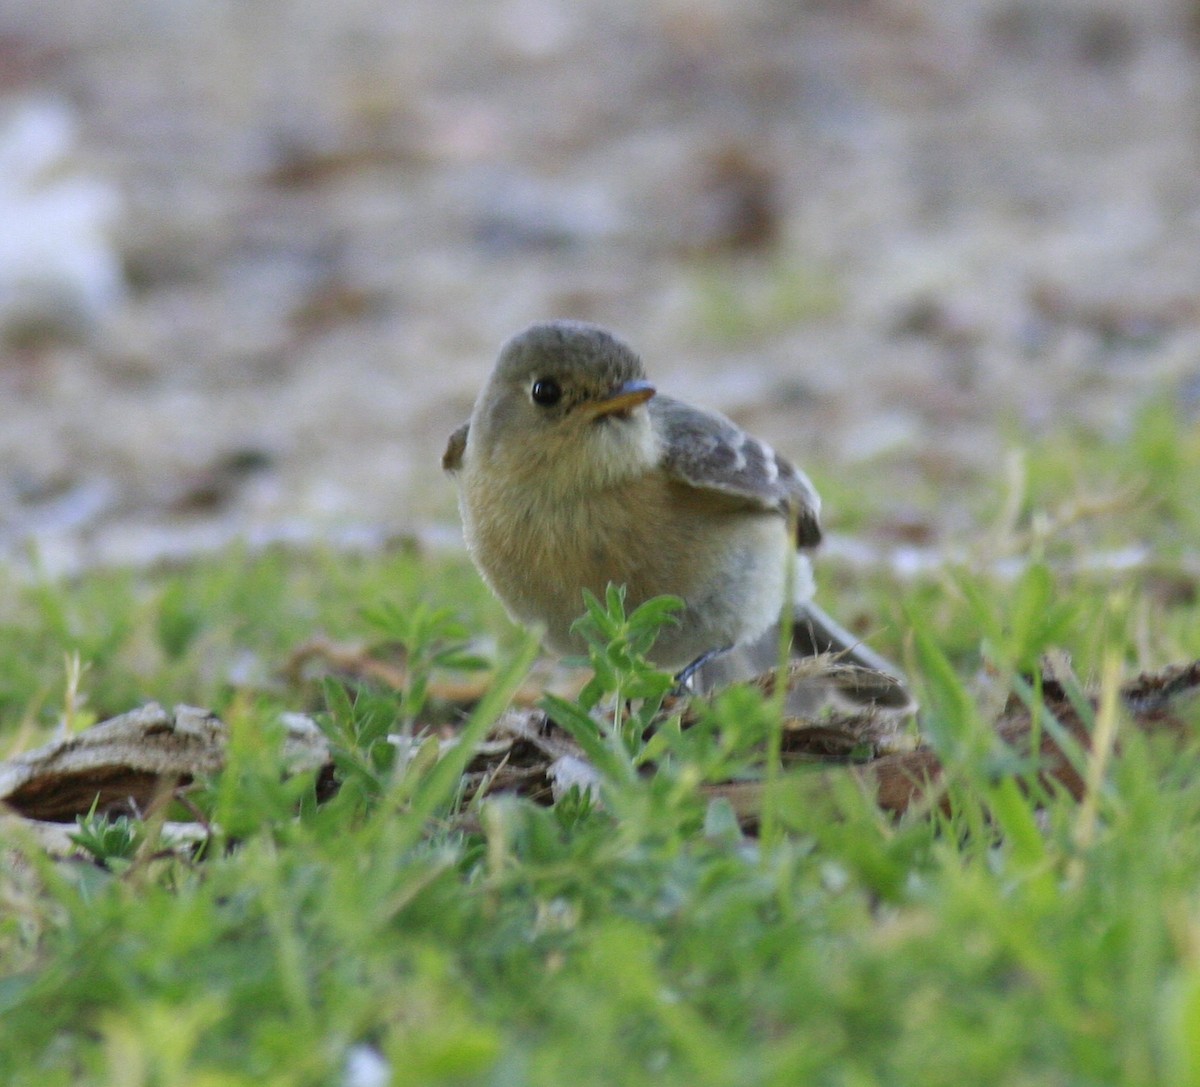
{"points": [[705, 450]]}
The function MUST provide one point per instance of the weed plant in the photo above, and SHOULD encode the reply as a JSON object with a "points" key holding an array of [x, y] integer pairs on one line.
{"points": [[629, 935]]}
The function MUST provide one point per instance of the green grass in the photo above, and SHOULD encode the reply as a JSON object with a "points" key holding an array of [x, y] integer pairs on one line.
{"points": [[644, 940]]}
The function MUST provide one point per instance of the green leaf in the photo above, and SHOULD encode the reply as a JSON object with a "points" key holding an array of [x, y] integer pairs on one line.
{"points": [[440, 783]]}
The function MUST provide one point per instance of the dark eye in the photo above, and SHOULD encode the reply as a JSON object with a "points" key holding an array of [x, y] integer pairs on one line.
{"points": [[546, 392]]}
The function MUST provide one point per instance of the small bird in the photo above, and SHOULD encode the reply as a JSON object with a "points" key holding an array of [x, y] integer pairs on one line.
{"points": [[574, 472]]}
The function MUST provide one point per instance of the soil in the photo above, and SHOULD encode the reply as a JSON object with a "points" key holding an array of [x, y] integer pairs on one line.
{"points": [[883, 233]]}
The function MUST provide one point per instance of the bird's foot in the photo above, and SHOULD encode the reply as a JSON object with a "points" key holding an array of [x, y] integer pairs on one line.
{"points": [[684, 677]]}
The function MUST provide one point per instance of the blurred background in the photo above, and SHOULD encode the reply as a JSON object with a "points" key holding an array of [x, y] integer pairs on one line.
{"points": [[257, 256]]}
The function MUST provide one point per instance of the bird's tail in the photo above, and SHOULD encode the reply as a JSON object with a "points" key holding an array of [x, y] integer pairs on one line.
{"points": [[872, 679], [815, 631], [854, 675]]}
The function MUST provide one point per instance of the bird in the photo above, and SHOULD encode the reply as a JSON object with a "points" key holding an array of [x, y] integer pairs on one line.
{"points": [[574, 473]]}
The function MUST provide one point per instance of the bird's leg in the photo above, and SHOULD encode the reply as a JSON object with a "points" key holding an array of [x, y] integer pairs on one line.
{"points": [[684, 676]]}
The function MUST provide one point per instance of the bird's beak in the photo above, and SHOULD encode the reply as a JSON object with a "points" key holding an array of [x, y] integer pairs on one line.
{"points": [[627, 395]]}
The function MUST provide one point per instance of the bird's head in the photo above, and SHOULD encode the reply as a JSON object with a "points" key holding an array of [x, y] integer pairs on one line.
{"points": [[568, 400]]}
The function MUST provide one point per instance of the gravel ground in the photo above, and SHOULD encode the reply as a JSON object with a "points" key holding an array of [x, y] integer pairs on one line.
{"points": [[878, 231]]}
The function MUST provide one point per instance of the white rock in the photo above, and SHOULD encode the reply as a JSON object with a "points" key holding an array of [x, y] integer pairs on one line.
{"points": [[59, 268]]}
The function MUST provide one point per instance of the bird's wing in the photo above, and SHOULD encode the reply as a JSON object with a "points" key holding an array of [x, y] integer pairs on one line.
{"points": [[452, 458], [705, 450]]}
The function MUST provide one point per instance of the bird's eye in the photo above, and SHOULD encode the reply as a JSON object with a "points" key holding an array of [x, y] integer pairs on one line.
{"points": [[546, 392]]}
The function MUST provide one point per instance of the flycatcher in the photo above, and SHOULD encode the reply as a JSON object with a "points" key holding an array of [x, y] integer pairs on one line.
{"points": [[574, 472]]}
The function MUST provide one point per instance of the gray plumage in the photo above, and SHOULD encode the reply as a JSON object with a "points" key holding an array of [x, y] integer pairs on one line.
{"points": [[706, 450], [574, 473]]}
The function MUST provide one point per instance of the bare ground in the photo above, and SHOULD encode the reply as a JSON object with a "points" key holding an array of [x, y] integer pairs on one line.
{"points": [[881, 232]]}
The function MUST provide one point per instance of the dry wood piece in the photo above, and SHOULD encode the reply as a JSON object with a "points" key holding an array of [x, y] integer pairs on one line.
{"points": [[1167, 701], [123, 764], [834, 710], [129, 761], [119, 764], [533, 750]]}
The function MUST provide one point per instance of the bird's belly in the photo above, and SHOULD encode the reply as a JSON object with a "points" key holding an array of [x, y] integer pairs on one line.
{"points": [[728, 564]]}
